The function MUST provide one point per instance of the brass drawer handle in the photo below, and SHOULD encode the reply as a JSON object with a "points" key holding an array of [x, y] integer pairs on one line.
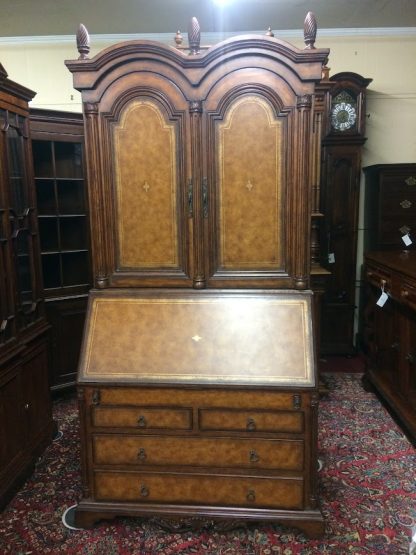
{"points": [[251, 495], [251, 424], [253, 456], [144, 490], [406, 203], [141, 422], [404, 293], [141, 455]]}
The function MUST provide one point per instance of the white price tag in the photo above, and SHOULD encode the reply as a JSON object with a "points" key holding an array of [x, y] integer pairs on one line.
{"points": [[382, 300], [331, 258], [406, 240]]}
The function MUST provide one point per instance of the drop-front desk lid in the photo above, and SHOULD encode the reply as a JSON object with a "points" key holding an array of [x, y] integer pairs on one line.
{"points": [[198, 337]]}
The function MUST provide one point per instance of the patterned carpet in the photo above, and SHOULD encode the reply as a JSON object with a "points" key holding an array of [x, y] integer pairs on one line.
{"points": [[367, 492]]}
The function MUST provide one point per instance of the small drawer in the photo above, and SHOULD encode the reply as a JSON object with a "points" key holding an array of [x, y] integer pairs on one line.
{"points": [[379, 278], [142, 418], [198, 452], [251, 421], [200, 489], [408, 295]]}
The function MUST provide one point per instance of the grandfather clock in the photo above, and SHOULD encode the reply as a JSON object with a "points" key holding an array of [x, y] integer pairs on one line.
{"points": [[341, 169]]}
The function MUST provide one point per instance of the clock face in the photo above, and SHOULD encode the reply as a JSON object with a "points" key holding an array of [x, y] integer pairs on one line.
{"points": [[343, 116]]}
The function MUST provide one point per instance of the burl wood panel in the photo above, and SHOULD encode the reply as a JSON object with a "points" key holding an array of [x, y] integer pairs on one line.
{"points": [[213, 490], [250, 186], [194, 451], [145, 162], [225, 340]]}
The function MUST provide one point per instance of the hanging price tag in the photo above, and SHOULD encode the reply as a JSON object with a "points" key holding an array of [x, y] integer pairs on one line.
{"points": [[331, 258], [406, 240], [383, 297]]}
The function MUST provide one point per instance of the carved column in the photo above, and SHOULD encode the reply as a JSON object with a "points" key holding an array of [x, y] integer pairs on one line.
{"points": [[97, 196]]}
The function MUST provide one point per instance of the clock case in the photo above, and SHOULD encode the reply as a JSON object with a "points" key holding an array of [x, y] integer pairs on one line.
{"points": [[340, 191], [355, 85]]}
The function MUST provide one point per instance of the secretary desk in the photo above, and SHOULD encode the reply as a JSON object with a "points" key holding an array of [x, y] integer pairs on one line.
{"points": [[197, 381]]}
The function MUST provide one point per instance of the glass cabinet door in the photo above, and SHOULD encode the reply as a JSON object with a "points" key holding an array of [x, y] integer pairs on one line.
{"points": [[62, 216], [22, 226]]}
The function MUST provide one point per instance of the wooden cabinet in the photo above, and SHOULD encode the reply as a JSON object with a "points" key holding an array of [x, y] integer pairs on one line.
{"points": [[200, 171], [196, 173], [389, 331], [62, 205], [341, 172], [390, 206], [25, 407]]}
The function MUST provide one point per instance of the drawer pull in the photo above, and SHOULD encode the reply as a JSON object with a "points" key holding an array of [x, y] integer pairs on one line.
{"points": [[141, 422], [410, 358], [404, 293], [251, 495], [251, 424], [406, 203], [144, 491], [253, 456], [141, 455]]}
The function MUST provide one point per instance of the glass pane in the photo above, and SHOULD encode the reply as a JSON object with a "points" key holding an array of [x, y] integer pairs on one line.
{"points": [[51, 268], [42, 158], [23, 267], [18, 200], [45, 196], [48, 233], [71, 197], [68, 159], [73, 233], [75, 268]]}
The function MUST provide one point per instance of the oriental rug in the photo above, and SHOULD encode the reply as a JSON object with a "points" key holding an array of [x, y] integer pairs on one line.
{"points": [[367, 486]]}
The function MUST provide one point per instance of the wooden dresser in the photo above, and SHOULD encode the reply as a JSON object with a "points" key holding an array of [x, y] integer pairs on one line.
{"points": [[390, 206], [197, 384], [389, 331]]}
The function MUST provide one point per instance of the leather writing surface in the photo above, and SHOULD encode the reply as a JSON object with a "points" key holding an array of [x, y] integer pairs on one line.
{"points": [[206, 339]]}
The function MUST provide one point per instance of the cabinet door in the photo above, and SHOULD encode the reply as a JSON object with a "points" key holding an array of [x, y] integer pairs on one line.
{"points": [[408, 355], [145, 235], [22, 218], [342, 169], [12, 431], [35, 394], [250, 212]]}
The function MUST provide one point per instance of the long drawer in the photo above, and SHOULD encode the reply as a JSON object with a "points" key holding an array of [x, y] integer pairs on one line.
{"points": [[201, 489], [197, 452]]}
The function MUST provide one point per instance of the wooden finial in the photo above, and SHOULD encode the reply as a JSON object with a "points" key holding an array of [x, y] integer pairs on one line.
{"points": [[178, 38], [194, 36], [309, 30], [83, 42], [269, 32]]}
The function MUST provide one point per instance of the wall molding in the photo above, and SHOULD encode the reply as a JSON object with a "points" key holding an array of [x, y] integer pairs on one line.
{"points": [[211, 38]]}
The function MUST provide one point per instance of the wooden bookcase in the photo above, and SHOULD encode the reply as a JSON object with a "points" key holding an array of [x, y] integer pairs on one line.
{"points": [[62, 205], [26, 424]]}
